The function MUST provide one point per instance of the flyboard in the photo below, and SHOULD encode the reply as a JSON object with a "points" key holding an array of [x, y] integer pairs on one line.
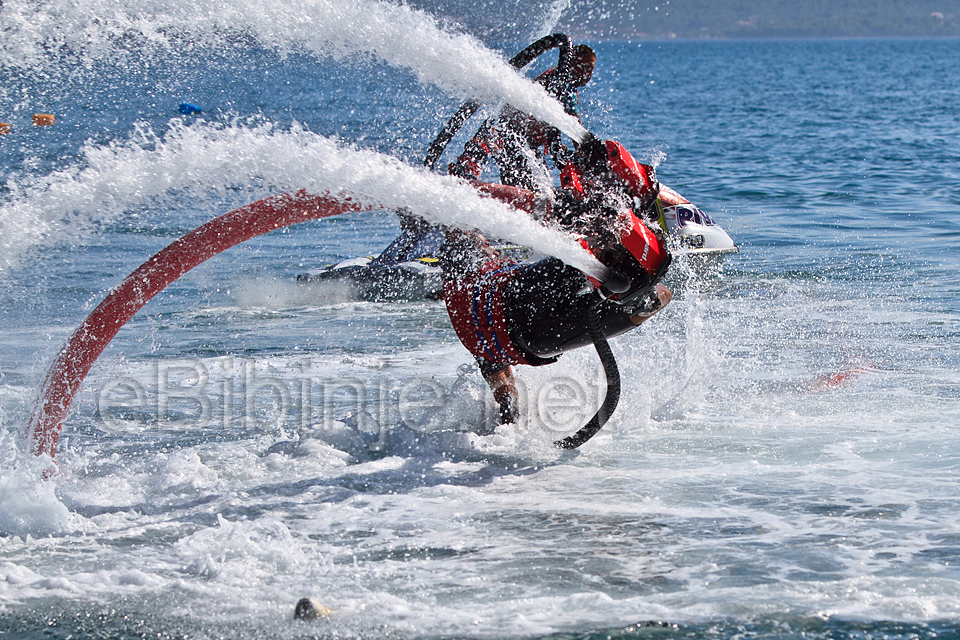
{"points": [[411, 272]]}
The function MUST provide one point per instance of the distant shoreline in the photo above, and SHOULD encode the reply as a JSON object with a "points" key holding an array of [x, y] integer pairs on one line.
{"points": [[661, 20], [587, 37]]}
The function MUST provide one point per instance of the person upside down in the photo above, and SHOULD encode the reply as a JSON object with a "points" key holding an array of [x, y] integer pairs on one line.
{"points": [[507, 313]]}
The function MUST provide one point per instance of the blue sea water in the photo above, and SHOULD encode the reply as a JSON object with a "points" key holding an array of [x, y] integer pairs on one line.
{"points": [[783, 464]]}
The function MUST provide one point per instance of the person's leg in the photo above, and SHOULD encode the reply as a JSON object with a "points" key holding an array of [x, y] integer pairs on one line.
{"points": [[514, 160], [475, 153]]}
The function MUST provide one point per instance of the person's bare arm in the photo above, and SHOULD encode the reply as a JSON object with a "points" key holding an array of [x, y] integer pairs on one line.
{"points": [[504, 388]]}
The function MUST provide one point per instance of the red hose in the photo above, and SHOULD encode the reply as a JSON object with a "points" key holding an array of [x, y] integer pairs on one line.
{"points": [[74, 361], [90, 339]]}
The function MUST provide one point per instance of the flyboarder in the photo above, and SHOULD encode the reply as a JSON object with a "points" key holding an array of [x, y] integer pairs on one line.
{"points": [[507, 313]]}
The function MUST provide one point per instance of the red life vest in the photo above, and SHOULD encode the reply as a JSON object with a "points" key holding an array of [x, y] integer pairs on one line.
{"points": [[648, 247], [640, 178], [645, 245], [475, 306]]}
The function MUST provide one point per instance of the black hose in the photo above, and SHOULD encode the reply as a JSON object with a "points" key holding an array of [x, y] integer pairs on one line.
{"points": [[468, 108], [541, 46], [464, 113], [613, 382]]}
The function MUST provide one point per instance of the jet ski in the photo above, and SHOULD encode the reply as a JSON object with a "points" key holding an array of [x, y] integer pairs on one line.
{"points": [[408, 268], [372, 281], [400, 272], [691, 231]]}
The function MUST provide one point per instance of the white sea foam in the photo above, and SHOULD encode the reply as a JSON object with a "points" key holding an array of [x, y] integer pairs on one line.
{"points": [[205, 157], [393, 33], [28, 506], [739, 504]]}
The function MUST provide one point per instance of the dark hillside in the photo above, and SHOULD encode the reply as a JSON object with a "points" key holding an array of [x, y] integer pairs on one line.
{"points": [[705, 19]]}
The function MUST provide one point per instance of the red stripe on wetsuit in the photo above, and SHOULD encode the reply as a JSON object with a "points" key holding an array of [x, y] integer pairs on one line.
{"points": [[475, 306]]}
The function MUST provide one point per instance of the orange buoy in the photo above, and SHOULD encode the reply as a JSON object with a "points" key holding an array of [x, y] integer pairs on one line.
{"points": [[4, 128], [43, 119]]}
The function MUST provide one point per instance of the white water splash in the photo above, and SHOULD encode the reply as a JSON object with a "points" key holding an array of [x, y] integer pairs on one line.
{"points": [[552, 17], [398, 35], [202, 157], [27, 506]]}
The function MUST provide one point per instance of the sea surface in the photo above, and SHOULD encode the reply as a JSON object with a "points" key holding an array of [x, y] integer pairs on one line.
{"points": [[785, 459]]}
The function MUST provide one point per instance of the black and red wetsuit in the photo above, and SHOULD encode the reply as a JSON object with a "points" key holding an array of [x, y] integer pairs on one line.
{"points": [[508, 313], [525, 314]]}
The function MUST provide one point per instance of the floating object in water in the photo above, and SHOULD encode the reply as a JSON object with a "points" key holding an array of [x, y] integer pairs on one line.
{"points": [[842, 378], [189, 109], [310, 609], [4, 128], [43, 119], [388, 277]]}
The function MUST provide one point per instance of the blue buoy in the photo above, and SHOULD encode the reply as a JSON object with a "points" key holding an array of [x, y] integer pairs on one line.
{"points": [[188, 109]]}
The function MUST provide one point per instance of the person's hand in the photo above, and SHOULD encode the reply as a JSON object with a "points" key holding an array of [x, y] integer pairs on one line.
{"points": [[504, 388]]}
